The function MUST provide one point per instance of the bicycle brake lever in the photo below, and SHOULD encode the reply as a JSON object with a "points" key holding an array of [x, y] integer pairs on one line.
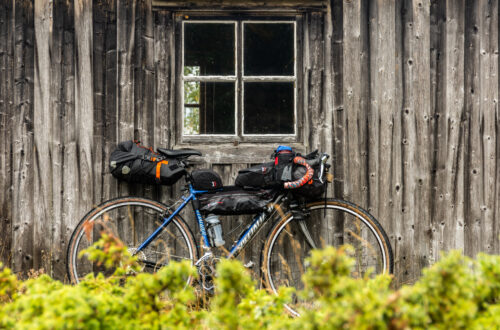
{"points": [[323, 160]]}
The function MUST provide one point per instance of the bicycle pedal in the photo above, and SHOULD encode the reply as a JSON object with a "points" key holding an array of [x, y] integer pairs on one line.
{"points": [[249, 264]]}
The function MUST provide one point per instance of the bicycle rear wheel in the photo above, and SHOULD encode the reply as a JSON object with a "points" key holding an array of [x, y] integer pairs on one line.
{"points": [[335, 223], [132, 220]]}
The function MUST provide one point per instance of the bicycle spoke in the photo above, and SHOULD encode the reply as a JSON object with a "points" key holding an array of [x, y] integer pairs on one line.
{"points": [[292, 241], [131, 220]]}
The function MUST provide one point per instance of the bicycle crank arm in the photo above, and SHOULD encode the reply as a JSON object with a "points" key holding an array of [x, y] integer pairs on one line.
{"points": [[151, 264]]}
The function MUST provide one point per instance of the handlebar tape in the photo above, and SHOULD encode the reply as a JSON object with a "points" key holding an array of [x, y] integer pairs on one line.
{"points": [[303, 180]]}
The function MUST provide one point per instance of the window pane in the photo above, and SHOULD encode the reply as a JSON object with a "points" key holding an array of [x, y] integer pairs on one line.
{"points": [[268, 49], [209, 108], [269, 108], [208, 49]]}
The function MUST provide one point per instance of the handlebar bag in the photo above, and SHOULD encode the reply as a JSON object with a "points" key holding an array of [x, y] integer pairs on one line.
{"points": [[235, 201], [313, 189], [206, 179], [135, 163]]}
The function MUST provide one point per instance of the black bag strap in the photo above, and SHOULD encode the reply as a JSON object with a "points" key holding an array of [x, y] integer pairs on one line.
{"points": [[142, 157]]}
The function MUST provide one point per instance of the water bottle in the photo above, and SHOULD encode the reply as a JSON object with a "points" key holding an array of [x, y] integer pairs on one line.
{"points": [[215, 229]]}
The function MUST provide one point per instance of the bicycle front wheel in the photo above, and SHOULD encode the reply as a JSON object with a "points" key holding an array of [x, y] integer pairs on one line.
{"points": [[335, 223], [132, 220]]}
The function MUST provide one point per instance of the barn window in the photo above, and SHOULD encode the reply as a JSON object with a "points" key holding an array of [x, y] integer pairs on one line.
{"points": [[239, 78]]}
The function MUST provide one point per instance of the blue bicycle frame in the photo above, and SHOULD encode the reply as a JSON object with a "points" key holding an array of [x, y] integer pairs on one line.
{"points": [[238, 246]]}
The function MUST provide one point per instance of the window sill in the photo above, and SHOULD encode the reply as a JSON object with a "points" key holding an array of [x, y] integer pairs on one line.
{"points": [[247, 153]]}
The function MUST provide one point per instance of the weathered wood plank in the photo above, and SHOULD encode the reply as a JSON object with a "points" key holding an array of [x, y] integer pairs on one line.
{"points": [[448, 207], [382, 110], [147, 66], [408, 133], [314, 69], [125, 42], [125, 35], [163, 59], [6, 128], [399, 240], [43, 131], [111, 89], [420, 111], [356, 98], [335, 25], [473, 213], [488, 91], [99, 69], [57, 250], [22, 137], [84, 102], [231, 4], [416, 137], [437, 71], [71, 193]]}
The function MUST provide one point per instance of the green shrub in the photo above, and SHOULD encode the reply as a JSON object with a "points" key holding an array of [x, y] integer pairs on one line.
{"points": [[457, 292]]}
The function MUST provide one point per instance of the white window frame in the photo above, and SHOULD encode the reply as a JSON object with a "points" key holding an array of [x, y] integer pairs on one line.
{"points": [[239, 79]]}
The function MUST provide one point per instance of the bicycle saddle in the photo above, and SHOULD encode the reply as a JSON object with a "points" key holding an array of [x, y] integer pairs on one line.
{"points": [[178, 153]]}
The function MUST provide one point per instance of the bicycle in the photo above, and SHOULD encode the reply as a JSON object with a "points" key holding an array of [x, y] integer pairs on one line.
{"points": [[157, 234]]}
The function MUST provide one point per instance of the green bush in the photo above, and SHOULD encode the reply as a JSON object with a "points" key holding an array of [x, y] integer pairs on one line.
{"points": [[457, 292]]}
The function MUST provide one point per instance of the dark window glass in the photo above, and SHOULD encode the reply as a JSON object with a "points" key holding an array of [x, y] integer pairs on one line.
{"points": [[268, 49], [269, 108], [208, 49], [209, 108]]}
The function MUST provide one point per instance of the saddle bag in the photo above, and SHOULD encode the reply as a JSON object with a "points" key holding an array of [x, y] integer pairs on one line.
{"points": [[134, 163], [235, 201]]}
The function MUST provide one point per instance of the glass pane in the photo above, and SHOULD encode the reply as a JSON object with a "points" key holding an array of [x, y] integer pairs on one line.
{"points": [[208, 49], [209, 108], [268, 49], [269, 108]]}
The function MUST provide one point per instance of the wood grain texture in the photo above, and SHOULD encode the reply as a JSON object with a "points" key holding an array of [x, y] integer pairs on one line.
{"points": [[6, 128], [43, 134], [403, 94], [84, 101], [352, 123], [22, 136]]}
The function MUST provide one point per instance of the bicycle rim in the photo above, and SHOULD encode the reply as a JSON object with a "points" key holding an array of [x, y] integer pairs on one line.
{"points": [[131, 220], [341, 223]]}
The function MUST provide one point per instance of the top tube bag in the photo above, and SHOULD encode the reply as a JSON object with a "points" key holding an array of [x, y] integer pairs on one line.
{"points": [[134, 163], [268, 175]]}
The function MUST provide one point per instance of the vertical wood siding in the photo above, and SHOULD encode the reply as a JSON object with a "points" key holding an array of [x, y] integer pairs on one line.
{"points": [[403, 94]]}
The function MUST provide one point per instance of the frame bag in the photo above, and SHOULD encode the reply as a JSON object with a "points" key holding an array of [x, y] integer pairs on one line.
{"points": [[235, 201], [135, 163]]}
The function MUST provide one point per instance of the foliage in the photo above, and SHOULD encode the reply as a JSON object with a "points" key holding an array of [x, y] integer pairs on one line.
{"points": [[457, 292], [192, 97]]}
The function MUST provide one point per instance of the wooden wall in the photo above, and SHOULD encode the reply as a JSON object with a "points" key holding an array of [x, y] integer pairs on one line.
{"points": [[404, 94]]}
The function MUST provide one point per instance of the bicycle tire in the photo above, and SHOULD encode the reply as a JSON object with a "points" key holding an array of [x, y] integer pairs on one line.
{"points": [[278, 252], [131, 219]]}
